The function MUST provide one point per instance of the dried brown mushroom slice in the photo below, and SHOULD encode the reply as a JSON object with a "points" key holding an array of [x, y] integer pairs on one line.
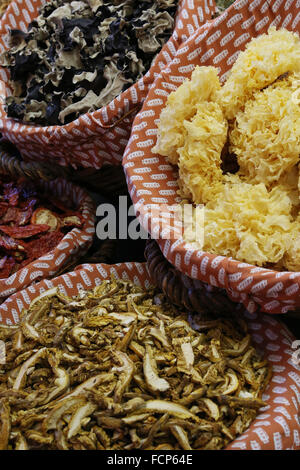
{"points": [[194, 396], [7, 331], [255, 403], [83, 411], [210, 408], [38, 439], [19, 440], [239, 348], [154, 430], [22, 375], [164, 406], [90, 384]]}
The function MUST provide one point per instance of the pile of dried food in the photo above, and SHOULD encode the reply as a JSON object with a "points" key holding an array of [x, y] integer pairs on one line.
{"points": [[118, 367], [250, 126], [31, 224], [3, 5], [77, 56]]}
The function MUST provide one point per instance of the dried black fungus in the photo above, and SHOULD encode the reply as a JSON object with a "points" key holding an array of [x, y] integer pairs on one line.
{"points": [[77, 56]]}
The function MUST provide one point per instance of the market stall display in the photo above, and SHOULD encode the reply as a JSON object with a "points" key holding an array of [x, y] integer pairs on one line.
{"points": [[161, 355], [215, 49], [131, 400], [98, 136], [109, 180]]}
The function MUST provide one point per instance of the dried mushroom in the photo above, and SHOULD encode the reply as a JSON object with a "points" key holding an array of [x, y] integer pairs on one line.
{"points": [[118, 367], [77, 56]]}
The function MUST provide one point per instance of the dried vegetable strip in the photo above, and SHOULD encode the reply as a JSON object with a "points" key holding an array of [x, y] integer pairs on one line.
{"points": [[118, 367]]}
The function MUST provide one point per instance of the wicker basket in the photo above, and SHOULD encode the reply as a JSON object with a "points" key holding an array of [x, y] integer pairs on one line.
{"points": [[108, 181]]}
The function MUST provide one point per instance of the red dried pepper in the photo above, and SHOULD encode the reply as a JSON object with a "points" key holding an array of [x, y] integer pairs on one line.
{"points": [[11, 193], [24, 232], [24, 217], [10, 215], [30, 224], [6, 266], [3, 208]]}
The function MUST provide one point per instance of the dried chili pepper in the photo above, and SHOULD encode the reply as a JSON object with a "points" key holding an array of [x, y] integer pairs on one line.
{"points": [[24, 232], [45, 216], [3, 208], [24, 217], [3, 261], [10, 215]]}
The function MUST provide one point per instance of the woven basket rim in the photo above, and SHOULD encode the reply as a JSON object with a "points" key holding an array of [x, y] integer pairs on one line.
{"points": [[96, 114], [140, 201]]}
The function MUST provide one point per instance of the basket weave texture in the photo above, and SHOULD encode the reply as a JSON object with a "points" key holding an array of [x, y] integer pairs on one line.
{"points": [[108, 180]]}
